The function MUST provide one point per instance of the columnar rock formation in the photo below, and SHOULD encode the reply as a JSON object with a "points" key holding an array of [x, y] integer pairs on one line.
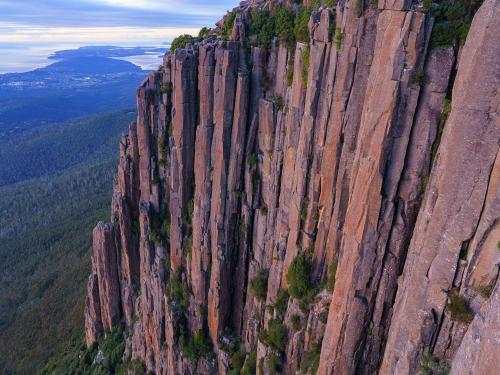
{"points": [[340, 152]]}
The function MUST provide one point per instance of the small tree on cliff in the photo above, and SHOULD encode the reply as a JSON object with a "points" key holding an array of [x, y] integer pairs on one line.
{"points": [[298, 276]]}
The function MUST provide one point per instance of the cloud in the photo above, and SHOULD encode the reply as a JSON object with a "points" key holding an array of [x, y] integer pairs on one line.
{"points": [[26, 34], [106, 13]]}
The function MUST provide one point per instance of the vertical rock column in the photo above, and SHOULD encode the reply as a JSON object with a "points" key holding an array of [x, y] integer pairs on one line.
{"points": [[451, 210], [398, 35], [185, 66], [125, 216], [200, 258], [409, 196], [219, 294], [352, 59], [151, 249], [295, 102], [235, 187], [105, 264]]}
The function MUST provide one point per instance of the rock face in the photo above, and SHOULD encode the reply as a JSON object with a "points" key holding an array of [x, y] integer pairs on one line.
{"points": [[332, 208]]}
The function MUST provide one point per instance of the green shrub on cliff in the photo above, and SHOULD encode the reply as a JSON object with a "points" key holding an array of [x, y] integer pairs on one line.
{"points": [[306, 57], [332, 270], [281, 302], [310, 360], [76, 358], [177, 291], [431, 365], [181, 41], [275, 336], [228, 24], [278, 101], [452, 21], [258, 284], [196, 346], [250, 364], [284, 24], [339, 36], [295, 320], [297, 277], [289, 26], [459, 308], [301, 28]]}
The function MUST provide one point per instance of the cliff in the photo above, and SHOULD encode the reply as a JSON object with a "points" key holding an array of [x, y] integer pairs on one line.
{"points": [[328, 205]]}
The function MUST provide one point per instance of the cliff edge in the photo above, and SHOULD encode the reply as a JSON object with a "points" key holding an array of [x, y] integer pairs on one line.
{"points": [[311, 188]]}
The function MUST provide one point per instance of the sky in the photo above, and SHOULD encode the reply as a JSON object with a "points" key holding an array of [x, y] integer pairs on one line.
{"points": [[32, 29]]}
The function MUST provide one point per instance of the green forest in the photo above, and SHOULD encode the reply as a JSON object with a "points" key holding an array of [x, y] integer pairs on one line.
{"points": [[46, 234]]}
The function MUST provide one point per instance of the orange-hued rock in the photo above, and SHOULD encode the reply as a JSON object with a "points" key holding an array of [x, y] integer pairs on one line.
{"points": [[454, 200], [184, 80], [200, 258], [105, 266], [93, 320], [338, 149], [479, 352]]}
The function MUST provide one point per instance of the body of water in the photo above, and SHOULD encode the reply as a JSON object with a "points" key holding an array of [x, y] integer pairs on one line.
{"points": [[24, 58]]}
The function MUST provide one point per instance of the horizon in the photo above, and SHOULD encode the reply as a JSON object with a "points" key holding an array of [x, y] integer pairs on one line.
{"points": [[30, 32]]}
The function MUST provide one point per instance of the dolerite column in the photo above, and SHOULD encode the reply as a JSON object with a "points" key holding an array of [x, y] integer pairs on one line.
{"points": [[106, 267], [219, 299], [455, 200], [93, 321], [362, 245], [235, 186], [124, 203], [185, 65], [200, 256]]}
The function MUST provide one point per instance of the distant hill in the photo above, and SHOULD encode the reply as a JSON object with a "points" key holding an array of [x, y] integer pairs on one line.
{"points": [[74, 87], [106, 51]]}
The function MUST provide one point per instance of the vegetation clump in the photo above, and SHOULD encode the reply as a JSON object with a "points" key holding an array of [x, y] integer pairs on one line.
{"points": [[181, 41], [459, 308], [332, 270], [339, 36], [166, 87], [306, 57], [452, 21], [76, 358], [177, 291], [442, 121], [259, 284], [160, 226], [486, 290], [204, 32], [250, 364], [253, 159], [196, 346], [278, 101], [431, 365], [301, 25], [281, 302], [418, 78], [187, 217], [310, 360], [285, 24], [228, 24], [237, 362], [295, 320], [275, 336], [272, 363], [297, 277]]}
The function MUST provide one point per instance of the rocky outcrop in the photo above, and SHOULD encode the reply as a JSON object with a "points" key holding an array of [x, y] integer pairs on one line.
{"points": [[327, 206], [450, 213]]}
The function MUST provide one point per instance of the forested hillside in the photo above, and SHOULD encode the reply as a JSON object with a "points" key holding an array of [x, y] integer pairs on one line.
{"points": [[45, 231]]}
